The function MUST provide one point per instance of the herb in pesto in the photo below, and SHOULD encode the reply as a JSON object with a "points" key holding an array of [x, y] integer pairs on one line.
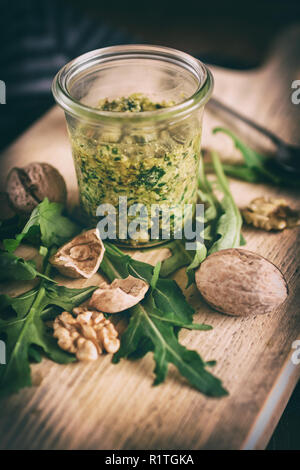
{"points": [[156, 164]]}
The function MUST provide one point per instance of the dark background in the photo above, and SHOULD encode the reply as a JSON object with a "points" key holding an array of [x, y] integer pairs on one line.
{"points": [[232, 31], [37, 37]]}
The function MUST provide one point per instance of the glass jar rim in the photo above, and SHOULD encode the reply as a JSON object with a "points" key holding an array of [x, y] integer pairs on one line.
{"points": [[76, 108]]}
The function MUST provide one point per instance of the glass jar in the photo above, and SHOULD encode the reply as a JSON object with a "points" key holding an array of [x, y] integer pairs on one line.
{"points": [[144, 158]]}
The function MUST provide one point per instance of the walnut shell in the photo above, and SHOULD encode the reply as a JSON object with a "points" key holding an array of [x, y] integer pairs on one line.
{"points": [[6, 211], [81, 257], [28, 186], [240, 283], [120, 295]]}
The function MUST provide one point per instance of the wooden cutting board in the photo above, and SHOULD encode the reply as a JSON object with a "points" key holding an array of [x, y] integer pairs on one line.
{"points": [[105, 406]]}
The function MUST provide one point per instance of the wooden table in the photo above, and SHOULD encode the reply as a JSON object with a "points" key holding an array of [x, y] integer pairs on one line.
{"points": [[104, 406]]}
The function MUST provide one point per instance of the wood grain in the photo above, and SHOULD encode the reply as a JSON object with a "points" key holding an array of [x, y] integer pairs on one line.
{"points": [[105, 406]]}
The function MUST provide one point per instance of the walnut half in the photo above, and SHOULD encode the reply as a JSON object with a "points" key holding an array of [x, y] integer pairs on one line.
{"points": [[118, 296], [270, 214], [87, 335]]}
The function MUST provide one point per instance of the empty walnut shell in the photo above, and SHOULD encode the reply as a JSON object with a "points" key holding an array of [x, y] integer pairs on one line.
{"points": [[27, 187], [239, 282], [120, 295], [81, 257]]}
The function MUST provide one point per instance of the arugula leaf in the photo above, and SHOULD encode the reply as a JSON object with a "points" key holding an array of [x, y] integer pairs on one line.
{"points": [[34, 354], [253, 159], [230, 223], [170, 317], [17, 306], [14, 268], [166, 348], [154, 324], [23, 328], [211, 215], [46, 226], [223, 221], [9, 227], [242, 172], [155, 276], [200, 256], [179, 257], [65, 297], [257, 168]]}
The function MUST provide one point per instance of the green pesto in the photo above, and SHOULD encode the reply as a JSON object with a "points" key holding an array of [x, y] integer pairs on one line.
{"points": [[149, 166]]}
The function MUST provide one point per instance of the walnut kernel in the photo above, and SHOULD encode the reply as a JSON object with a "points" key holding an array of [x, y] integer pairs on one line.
{"points": [[270, 214], [87, 335]]}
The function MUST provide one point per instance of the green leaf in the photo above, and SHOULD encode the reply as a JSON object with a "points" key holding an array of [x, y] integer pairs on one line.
{"points": [[179, 257], [34, 354], [257, 168], [171, 317], [14, 268], [167, 294], [222, 219], [230, 223], [253, 159], [242, 172], [200, 256], [65, 297], [24, 329], [46, 226], [242, 240], [155, 275], [166, 349], [17, 306], [154, 324], [211, 214], [9, 227]]}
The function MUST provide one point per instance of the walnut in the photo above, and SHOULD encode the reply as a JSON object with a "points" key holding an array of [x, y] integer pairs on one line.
{"points": [[6, 211], [120, 295], [87, 335], [27, 187], [270, 214], [81, 257], [239, 282]]}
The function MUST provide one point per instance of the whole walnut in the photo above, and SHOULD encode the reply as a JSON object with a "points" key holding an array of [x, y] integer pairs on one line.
{"points": [[6, 211], [240, 283], [27, 187]]}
